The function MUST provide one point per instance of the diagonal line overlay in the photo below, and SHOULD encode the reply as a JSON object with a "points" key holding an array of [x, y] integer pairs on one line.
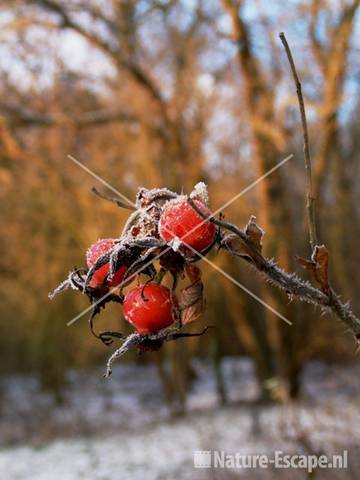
{"points": [[238, 284], [229, 202], [101, 180]]}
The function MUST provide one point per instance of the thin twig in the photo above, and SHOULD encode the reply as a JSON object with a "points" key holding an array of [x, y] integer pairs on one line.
{"points": [[310, 197], [116, 200]]}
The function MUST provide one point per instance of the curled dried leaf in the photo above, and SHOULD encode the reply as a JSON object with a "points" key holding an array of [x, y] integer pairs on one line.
{"points": [[192, 302], [237, 246], [193, 272], [318, 266], [255, 233]]}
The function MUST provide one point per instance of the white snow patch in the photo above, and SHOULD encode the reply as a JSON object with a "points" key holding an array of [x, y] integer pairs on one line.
{"points": [[123, 428]]}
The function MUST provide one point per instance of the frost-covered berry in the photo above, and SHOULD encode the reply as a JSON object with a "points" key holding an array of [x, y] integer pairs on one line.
{"points": [[179, 220], [94, 252], [150, 308]]}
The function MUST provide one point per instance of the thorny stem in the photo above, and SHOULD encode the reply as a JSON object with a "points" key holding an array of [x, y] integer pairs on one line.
{"points": [[310, 197], [288, 282]]}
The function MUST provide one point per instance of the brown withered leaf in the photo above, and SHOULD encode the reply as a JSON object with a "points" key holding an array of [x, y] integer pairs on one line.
{"points": [[318, 266], [192, 302], [255, 233], [193, 272], [236, 246]]}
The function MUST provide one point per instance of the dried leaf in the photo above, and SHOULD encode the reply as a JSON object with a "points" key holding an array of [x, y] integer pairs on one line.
{"points": [[193, 272], [192, 302], [255, 233], [237, 246], [321, 258], [318, 266]]}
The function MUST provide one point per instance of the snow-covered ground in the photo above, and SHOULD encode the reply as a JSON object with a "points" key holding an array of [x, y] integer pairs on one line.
{"points": [[120, 429]]}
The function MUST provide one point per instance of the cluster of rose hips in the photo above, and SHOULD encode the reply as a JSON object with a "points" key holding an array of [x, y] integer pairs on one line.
{"points": [[163, 227], [149, 307]]}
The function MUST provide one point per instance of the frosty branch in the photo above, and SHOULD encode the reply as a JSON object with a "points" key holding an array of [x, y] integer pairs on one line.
{"points": [[247, 244]]}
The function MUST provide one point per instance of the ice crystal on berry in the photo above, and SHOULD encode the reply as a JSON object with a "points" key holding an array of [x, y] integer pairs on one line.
{"points": [[200, 192]]}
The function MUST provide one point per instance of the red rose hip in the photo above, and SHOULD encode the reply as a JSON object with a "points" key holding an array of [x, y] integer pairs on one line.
{"points": [[93, 253], [179, 219], [149, 308]]}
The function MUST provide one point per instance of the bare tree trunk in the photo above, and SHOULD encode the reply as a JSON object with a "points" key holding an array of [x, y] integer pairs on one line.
{"points": [[275, 215], [332, 60]]}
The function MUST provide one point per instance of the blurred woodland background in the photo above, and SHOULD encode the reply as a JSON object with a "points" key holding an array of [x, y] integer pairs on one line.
{"points": [[167, 93]]}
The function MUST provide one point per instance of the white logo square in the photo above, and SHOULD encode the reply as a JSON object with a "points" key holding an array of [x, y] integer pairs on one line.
{"points": [[202, 459]]}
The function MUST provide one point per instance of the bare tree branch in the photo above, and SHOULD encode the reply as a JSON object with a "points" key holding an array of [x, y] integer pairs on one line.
{"points": [[17, 117], [317, 47], [114, 53], [334, 75]]}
